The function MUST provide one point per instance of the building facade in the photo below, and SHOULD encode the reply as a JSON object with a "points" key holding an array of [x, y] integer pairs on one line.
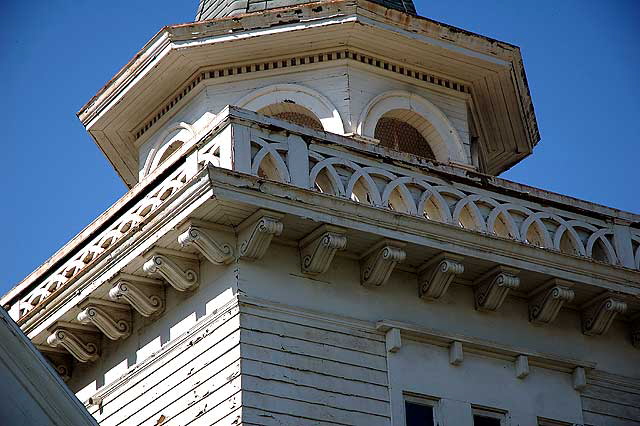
{"points": [[315, 233]]}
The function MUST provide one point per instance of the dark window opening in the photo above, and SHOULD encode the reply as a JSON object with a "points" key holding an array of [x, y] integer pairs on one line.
{"points": [[480, 420], [418, 414]]}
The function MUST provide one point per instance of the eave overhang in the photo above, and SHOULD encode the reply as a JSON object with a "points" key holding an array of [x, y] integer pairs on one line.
{"points": [[173, 59]]}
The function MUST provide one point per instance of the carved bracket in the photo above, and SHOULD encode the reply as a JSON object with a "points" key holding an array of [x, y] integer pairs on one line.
{"points": [[436, 275], [257, 231], [180, 272], [545, 305], [579, 378], [145, 295], [216, 252], [598, 316], [378, 263], [492, 288], [521, 365], [456, 353], [83, 345], [318, 248], [113, 319], [59, 359]]}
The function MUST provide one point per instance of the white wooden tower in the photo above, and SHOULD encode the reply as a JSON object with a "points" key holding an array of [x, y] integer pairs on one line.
{"points": [[315, 234]]}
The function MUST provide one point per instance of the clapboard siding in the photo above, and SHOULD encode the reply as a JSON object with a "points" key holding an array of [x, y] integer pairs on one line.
{"points": [[302, 370], [605, 402], [200, 369]]}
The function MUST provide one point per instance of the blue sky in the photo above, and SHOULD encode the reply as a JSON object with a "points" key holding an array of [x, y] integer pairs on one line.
{"points": [[582, 60]]}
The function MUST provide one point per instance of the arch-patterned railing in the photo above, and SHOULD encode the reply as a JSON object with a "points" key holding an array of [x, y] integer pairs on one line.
{"points": [[332, 165]]}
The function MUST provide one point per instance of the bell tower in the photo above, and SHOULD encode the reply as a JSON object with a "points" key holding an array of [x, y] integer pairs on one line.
{"points": [[316, 233]]}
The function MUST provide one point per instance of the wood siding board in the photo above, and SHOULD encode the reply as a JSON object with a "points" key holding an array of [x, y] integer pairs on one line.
{"points": [[225, 338], [312, 349], [293, 407], [312, 334], [314, 364], [611, 409], [210, 408], [594, 419], [314, 395], [311, 378], [257, 416], [612, 395]]}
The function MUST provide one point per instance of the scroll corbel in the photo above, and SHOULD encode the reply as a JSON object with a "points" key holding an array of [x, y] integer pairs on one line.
{"points": [[178, 269], [436, 275], [492, 288], [256, 232], [318, 248], [378, 263]]}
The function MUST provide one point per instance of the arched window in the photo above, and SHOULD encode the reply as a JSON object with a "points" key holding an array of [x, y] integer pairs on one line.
{"points": [[293, 113], [406, 131]]}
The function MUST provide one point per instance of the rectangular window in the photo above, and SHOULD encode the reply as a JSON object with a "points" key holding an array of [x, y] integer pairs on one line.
{"points": [[418, 411], [549, 422], [484, 417]]}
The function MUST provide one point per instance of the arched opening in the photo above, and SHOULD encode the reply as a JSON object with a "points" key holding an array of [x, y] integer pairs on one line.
{"points": [[535, 236], [568, 245], [293, 113], [599, 252], [466, 220], [432, 211], [173, 147], [406, 131]]}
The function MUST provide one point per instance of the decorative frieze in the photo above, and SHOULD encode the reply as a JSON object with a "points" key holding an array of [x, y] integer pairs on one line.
{"points": [[318, 248], [145, 295], [598, 315], [256, 232], [545, 304], [81, 343], [215, 251], [436, 275], [456, 353], [112, 319], [492, 288], [180, 272], [378, 263]]}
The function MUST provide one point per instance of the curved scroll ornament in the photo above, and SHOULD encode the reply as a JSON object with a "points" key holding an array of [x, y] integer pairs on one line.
{"points": [[544, 307], [145, 305], [436, 276], [318, 248], [163, 265], [377, 266], [83, 352], [113, 328], [214, 251], [257, 233], [492, 289], [598, 317]]}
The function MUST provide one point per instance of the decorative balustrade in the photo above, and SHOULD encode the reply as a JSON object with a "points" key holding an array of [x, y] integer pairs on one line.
{"points": [[349, 169], [345, 167]]}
